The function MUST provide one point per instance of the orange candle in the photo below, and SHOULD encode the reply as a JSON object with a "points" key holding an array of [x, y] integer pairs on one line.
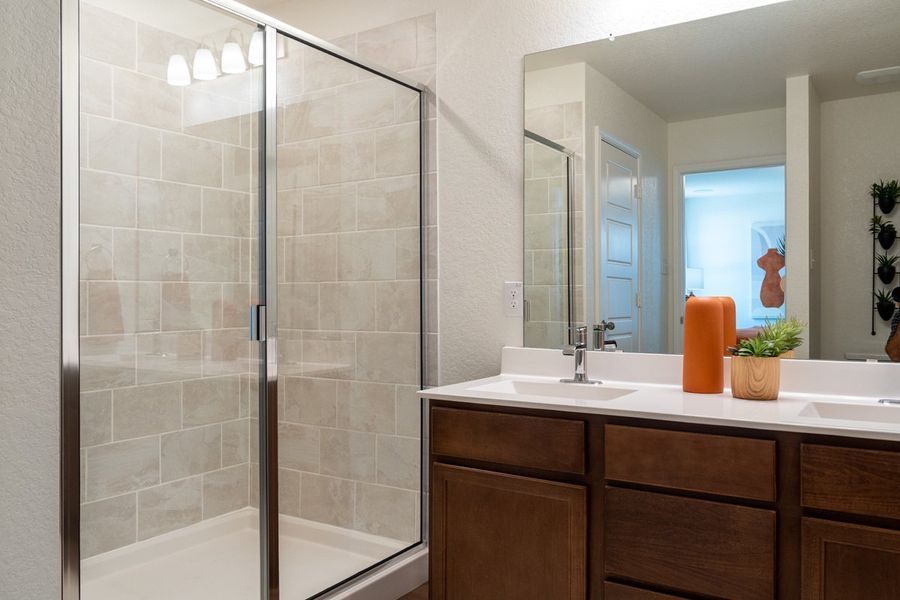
{"points": [[729, 315], [704, 334]]}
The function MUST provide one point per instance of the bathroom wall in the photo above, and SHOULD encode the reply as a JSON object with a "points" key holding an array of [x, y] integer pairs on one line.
{"points": [[728, 137], [168, 182], [29, 300], [557, 115], [858, 147]]}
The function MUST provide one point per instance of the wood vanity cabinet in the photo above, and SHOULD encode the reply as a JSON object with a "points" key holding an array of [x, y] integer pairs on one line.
{"points": [[543, 505]]}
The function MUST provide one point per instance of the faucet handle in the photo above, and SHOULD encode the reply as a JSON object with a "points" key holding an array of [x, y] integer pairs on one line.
{"points": [[579, 339], [581, 336]]}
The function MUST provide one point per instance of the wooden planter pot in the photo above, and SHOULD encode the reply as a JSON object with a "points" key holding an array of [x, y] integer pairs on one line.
{"points": [[755, 378]]}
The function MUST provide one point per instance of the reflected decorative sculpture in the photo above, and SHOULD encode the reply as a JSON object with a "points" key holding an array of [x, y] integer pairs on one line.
{"points": [[770, 293]]}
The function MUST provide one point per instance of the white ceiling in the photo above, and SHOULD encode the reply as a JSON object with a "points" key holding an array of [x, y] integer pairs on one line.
{"points": [[738, 62]]}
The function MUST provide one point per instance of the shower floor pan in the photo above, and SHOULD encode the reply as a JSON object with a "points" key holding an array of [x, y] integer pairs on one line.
{"points": [[218, 559]]}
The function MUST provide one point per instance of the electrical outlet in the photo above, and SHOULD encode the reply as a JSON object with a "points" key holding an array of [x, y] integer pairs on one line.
{"points": [[513, 299]]}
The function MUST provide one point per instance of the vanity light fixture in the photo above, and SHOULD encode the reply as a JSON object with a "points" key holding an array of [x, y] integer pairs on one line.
{"points": [[178, 73], [233, 57], [255, 52], [205, 68], [878, 76]]}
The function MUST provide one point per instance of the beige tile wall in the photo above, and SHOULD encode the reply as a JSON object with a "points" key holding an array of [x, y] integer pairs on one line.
{"points": [[166, 259], [349, 298], [546, 251]]}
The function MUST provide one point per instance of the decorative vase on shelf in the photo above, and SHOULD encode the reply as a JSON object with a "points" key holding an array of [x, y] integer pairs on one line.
{"points": [[886, 310], [886, 237], [885, 194], [755, 377], [887, 273]]}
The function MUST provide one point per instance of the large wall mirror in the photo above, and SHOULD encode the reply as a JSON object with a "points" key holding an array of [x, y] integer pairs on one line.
{"points": [[732, 156]]}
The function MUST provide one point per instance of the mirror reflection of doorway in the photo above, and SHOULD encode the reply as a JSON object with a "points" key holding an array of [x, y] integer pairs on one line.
{"points": [[619, 245], [734, 241]]}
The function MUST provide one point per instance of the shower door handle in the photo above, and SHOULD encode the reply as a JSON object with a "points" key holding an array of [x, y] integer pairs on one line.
{"points": [[258, 323]]}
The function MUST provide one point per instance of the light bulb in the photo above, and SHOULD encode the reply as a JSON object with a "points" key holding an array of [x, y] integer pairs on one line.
{"points": [[255, 52], [205, 65], [233, 58], [178, 72]]}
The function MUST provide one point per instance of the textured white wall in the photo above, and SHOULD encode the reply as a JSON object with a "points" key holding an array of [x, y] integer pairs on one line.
{"points": [[801, 187], [859, 147], [29, 300]]}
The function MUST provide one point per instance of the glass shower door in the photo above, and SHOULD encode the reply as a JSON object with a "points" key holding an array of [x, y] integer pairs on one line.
{"points": [[349, 317], [170, 97]]}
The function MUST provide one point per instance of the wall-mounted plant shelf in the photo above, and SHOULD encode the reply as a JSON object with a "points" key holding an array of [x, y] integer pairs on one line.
{"points": [[885, 195]]}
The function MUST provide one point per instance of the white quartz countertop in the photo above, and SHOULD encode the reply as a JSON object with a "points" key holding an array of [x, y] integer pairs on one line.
{"points": [[530, 380]]}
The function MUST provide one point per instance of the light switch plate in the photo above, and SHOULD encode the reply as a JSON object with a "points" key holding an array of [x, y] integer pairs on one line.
{"points": [[513, 299]]}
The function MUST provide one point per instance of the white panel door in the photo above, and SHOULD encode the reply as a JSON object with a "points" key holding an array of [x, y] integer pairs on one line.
{"points": [[619, 220]]}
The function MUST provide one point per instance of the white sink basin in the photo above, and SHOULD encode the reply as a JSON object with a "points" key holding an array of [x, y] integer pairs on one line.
{"points": [[572, 391], [874, 413]]}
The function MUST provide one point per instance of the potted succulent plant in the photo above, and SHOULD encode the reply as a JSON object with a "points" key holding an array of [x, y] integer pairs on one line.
{"points": [[884, 304], [883, 230], [886, 194], [887, 269], [756, 362]]}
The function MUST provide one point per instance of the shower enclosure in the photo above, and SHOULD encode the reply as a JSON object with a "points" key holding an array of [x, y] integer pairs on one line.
{"points": [[552, 246], [243, 315]]}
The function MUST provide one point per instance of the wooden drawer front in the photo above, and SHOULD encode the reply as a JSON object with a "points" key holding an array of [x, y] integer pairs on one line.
{"points": [[692, 545], [517, 440], [617, 591], [497, 536], [865, 482], [697, 462], [843, 562]]}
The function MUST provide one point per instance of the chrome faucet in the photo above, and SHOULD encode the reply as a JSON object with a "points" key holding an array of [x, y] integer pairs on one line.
{"points": [[579, 351], [600, 342]]}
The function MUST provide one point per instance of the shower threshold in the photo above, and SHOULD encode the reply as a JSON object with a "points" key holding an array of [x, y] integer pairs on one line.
{"points": [[218, 559]]}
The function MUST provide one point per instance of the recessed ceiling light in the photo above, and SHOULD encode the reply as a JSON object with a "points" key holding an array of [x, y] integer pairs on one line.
{"points": [[878, 76]]}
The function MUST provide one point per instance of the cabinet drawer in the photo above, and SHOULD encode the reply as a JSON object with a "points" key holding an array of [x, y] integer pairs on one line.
{"points": [[617, 591], [697, 462], [697, 546], [517, 440], [864, 482]]}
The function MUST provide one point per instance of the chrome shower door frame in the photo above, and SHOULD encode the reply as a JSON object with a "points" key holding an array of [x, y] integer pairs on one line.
{"points": [[70, 467]]}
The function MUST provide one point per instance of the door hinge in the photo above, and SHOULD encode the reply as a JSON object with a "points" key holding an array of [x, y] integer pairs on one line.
{"points": [[638, 191], [637, 300], [258, 323]]}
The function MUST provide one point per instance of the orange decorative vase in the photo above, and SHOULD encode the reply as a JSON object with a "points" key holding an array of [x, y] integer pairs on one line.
{"points": [[704, 334], [729, 322]]}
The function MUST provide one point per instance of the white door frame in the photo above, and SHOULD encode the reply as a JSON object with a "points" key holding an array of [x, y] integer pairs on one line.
{"points": [[676, 230], [599, 138]]}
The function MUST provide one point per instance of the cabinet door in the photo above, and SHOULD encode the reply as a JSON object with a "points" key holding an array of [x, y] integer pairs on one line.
{"points": [[499, 536], [849, 562]]}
